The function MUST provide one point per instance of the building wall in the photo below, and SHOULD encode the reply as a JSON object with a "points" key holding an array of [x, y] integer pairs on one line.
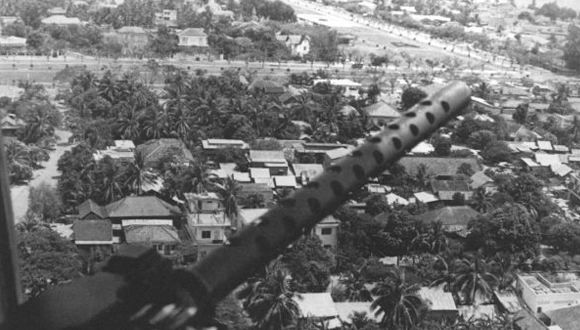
{"points": [[328, 234], [191, 41], [207, 234]]}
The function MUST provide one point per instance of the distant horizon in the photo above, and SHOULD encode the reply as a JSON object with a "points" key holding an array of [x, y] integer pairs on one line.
{"points": [[574, 4]]}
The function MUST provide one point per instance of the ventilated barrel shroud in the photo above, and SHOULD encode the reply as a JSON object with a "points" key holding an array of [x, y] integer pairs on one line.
{"points": [[253, 246]]}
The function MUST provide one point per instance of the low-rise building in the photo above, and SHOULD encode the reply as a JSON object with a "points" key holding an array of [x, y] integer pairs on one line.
{"points": [[61, 20], [548, 291], [123, 150], [208, 222], [192, 37], [299, 45], [274, 160], [210, 145]]}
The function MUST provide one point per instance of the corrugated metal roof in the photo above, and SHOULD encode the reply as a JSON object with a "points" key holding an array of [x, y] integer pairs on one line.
{"points": [[316, 305], [258, 172], [285, 181], [337, 153], [93, 230], [437, 299], [267, 156]]}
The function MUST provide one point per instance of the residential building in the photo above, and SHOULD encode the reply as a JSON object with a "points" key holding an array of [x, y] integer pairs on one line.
{"points": [[61, 20], [441, 304], [56, 11], [123, 150], [210, 145], [192, 37], [327, 232], [454, 219], [274, 160], [446, 189], [319, 307], [135, 211], [12, 42], [332, 156], [349, 88], [299, 45], [133, 38], [10, 125], [89, 234], [166, 15], [164, 238], [266, 86], [250, 189], [154, 151], [548, 291], [305, 172], [380, 113], [207, 219], [565, 318]]}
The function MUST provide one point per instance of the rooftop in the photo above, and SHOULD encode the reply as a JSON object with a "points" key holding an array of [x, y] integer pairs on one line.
{"points": [[141, 206], [450, 215], [151, 234], [381, 109], [192, 32], [316, 305], [93, 231]]}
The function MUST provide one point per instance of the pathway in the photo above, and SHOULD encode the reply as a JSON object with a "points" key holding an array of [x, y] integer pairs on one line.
{"points": [[47, 174]]}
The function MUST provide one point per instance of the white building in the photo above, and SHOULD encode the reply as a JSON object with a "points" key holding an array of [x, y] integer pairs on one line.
{"points": [[192, 37], [545, 291]]}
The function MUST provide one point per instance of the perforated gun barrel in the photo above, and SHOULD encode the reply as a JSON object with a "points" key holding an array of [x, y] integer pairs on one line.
{"points": [[253, 246]]}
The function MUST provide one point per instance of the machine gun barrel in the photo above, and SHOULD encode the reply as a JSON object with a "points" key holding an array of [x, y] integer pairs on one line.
{"points": [[253, 246]]}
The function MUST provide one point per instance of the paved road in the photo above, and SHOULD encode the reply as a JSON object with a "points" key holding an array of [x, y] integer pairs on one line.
{"points": [[46, 174], [381, 34]]}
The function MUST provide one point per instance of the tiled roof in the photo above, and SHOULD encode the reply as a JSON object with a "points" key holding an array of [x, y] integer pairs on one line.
{"points": [[267, 86], [151, 234], [89, 206], [93, 231], [381, 109], [141, 206], [450, 215]]}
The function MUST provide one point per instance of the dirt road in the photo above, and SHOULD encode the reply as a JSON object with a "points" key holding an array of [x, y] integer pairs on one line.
{"points": [[47, 174]]}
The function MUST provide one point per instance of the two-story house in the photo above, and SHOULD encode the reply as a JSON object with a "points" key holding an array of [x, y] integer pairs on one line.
{"points": [[299, 45], [208, 222], [133, 220]]}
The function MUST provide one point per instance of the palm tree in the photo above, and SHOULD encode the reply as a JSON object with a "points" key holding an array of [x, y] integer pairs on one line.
{"points": [[481, 201], [423, 177], [18, 161], [136, 174], [438, 240], [354, 286], [228, 192], [108, 177], [303, 108], [129, 123], [398, 303], [155, 123], [269, 301], [471, 277]]}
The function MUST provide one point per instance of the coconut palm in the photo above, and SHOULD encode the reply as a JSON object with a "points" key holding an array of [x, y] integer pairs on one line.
{"points": [[481, 201], [397, 304], [228, 192], [155, 123], [472, 277], [136, 173], [18, 161], [354, 286], [269, 301], [108, 177], [437, 239]]}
